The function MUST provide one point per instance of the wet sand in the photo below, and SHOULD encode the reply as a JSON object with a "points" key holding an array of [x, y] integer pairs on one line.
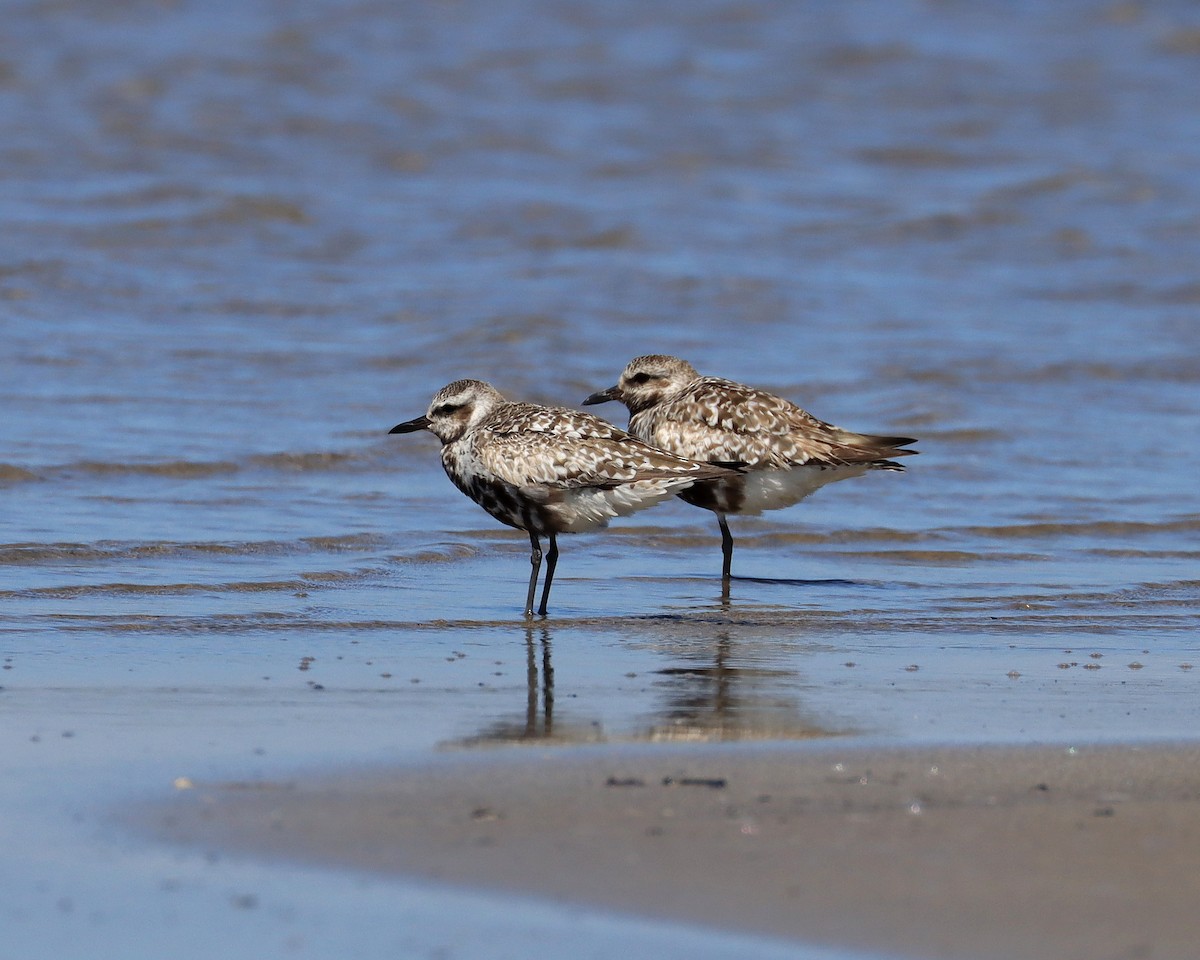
{"points": [[243, 239], [927, 851]]}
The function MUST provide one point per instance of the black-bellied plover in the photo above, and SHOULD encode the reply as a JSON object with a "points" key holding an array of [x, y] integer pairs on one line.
{"points": [[547, 470], [784, 453]]}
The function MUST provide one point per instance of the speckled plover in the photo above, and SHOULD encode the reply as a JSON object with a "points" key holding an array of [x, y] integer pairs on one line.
{"points": [[547, 470], [784, 453]]}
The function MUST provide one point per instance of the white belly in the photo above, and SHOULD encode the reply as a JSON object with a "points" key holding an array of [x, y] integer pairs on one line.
{"points": [[775, 489], [590, 507]]}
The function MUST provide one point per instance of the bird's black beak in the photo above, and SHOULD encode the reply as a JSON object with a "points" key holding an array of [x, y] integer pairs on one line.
{"points": [[411, 426], [602, 396]]}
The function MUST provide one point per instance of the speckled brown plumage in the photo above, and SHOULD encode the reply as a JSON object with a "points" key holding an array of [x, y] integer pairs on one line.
{"points": [[784, 453], [548, 470]]}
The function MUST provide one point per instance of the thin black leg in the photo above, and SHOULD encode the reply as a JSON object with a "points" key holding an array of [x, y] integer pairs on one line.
{"points": [[551, 563], [535, 560], [726, 546]]}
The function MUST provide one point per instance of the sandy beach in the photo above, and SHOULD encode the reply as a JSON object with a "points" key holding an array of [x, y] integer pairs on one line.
{"points": [[982, 852], [244, 238]]}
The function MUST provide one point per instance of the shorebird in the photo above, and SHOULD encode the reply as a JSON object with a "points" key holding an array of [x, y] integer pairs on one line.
{"points": [[783, 453], [547, 470]]}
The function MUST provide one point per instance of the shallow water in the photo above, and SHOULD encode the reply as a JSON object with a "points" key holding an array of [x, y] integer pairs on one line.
{"points": [[242, 240]]}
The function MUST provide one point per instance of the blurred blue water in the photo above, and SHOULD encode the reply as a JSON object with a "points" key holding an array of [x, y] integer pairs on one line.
{"points": [[241, 240]]}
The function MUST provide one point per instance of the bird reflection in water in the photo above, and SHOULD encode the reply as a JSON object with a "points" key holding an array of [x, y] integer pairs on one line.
{"points": [[537, 722], [717, 699], [717, 693]]}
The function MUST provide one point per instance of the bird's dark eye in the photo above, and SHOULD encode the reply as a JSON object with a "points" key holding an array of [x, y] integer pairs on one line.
{"points": [[641, 378], [445, 409]]}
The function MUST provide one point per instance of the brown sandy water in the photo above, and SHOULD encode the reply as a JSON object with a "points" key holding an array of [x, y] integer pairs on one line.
{"points": [[935, 851]]}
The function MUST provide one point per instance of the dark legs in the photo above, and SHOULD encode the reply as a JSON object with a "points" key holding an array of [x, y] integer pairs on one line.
{"points": [[726, 547], [551, 562], [727, 557], [535, 560]]}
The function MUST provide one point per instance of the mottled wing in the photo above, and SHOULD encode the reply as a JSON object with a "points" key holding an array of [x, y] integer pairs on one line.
{"points": [[720, 421], [529, 445], [552, 421]]}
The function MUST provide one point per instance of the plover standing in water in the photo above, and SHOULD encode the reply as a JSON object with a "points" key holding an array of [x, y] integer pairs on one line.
{"points": [[784, 453], [547, 470]]}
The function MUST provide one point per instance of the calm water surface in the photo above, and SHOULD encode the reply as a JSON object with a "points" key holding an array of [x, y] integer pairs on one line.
{"points": [[241, 240]]}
